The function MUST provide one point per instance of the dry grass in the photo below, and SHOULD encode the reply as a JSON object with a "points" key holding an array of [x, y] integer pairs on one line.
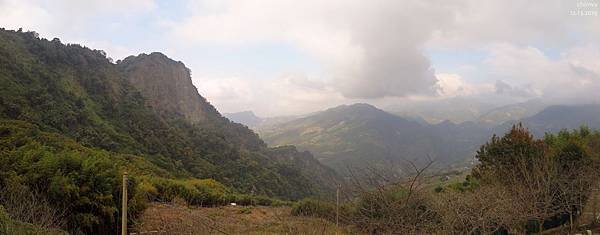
{"points": [[181, 219]]}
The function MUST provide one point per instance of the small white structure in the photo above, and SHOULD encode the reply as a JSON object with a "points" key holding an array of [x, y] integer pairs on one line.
{"points": [[233, 204]]}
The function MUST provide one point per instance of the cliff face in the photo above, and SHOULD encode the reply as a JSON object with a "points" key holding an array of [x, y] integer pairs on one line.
{"points": [[167, 86]]}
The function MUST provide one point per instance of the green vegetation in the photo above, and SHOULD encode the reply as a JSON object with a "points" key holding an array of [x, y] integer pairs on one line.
{"points": [[71, 124], [10, 226], [77, 92], [521, 185], [86, 181], [316, 208], [359, 135]]}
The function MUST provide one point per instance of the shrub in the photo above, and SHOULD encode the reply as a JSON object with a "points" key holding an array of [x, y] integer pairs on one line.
{"points": [[10, 226], [206, 192], [315, 208], [246, 210]]}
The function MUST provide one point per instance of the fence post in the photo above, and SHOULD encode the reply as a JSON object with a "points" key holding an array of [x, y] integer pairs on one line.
{"points": [[337, 206], [124, 208]]}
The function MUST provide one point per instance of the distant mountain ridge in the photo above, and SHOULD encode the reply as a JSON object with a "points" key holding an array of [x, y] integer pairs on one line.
{"points": [[511, 112], [460, 109], [247, 118], [257, 123], [361, 134], [557, 117], [457, 110]]}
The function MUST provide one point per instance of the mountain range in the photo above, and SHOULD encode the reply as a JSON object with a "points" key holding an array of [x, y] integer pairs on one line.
{"points": [[254, 122], [71, 119], [145, 106], [359, 135], [457, 110], [559, 117], [511, 112]]}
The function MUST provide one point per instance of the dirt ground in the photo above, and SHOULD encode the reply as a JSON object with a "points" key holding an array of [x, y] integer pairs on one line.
{"points": [[181, 219]]}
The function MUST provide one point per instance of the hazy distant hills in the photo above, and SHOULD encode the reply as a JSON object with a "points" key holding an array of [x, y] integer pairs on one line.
{"points": [[511, 112], [557, 117], [360, 134], [459, 110], [456, 110], [254, 122], [247, 118]]}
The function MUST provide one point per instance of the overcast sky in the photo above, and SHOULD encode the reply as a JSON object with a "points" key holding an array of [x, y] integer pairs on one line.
{"points": [[281, 57]]}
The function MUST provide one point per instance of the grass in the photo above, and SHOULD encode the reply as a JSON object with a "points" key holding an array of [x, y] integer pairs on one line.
{"points": [[181, 219]]}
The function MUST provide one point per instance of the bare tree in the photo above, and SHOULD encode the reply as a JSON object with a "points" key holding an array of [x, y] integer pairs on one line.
{"points": [[27, 205]]}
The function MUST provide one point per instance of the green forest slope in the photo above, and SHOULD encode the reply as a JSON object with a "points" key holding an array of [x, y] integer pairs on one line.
{"points": [[72, 122]]}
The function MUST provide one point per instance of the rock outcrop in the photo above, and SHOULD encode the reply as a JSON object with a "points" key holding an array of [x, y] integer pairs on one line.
{"points": [[167, 86]]}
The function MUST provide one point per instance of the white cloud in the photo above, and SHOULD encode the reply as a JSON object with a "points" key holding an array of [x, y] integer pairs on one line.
{"points": [[285, 95], [585, 58], [66, 17], [370, 50], [16, 14], [452, 85], [72, 20], [549, 23], [527, 71], [373, 50]]}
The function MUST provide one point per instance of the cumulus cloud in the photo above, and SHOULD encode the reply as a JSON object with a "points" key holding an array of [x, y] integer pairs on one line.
{"points": [[528, 72], [370, 50], [16, 14], [56, 18], [548, 23], [374, 50], [451, 85], [286, 95], [77, 21], [504, 88]]}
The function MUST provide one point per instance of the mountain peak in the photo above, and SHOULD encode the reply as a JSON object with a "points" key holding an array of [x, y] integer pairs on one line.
{"points": [[167, 86], [355, 107], [245, 117]]}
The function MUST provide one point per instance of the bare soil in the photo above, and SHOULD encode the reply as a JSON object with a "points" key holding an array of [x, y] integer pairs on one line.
{"points": [[181, 219]]}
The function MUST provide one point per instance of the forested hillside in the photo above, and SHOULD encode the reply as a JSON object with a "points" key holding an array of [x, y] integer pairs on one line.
{"points": [[72, 121], [360, 135], [521, 185], [557, 117]]}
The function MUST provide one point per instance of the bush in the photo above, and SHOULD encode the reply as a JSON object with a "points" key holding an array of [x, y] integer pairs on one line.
{"points": [[10, 226], [196, 192], [314, 208], [246, 210]]}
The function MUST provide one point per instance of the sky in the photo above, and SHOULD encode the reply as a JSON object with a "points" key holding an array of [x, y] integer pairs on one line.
{"points": [[285, 57]]}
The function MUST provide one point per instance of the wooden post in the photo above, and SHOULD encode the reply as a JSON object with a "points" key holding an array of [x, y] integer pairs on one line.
{"points": [[337, 206], [124, 208]]}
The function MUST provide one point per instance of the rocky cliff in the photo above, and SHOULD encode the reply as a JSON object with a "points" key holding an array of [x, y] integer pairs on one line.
{"points": [[167, 86]]}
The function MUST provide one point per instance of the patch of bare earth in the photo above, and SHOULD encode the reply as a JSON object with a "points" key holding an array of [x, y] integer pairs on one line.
{"points": [[181, 219]]}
